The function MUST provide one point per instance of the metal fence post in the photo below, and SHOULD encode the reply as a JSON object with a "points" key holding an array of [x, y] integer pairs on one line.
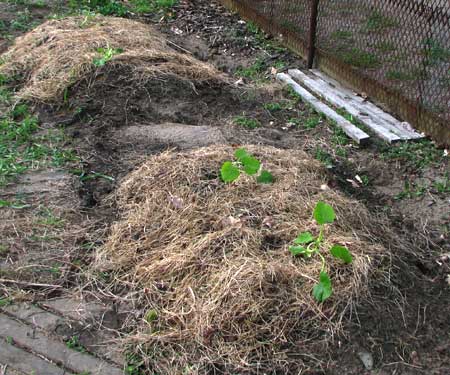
{"points": [[312, 33]]}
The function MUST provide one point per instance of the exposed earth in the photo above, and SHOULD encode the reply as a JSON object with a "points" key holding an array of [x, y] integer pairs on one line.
{"points": [[57, 211]]}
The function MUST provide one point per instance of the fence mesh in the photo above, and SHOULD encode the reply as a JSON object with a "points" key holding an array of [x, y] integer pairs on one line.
{"points": [[400, 45]]}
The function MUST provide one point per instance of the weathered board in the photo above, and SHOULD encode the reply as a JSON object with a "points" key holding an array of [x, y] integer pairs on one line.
{"points": [[382, 123], [351, 130]]}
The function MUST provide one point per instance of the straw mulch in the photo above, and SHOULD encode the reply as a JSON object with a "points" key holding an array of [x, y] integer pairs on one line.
{"points": [[52, 58], [206, 264]]}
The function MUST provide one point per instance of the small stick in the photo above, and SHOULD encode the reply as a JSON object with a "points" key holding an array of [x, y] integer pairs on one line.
{"points": [[24, 283]]}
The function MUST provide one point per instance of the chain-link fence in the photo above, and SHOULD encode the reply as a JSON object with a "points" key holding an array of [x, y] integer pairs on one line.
{"points": [[397, 51]]}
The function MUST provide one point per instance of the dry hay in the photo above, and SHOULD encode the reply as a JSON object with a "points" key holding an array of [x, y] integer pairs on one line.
{"points": [[209, 262], [52, 58]]}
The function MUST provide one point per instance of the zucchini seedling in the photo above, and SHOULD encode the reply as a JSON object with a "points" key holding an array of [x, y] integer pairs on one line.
{"points": [[231, 170], [308, 245]]}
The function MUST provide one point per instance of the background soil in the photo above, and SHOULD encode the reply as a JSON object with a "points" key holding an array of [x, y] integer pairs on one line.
{"points": [[411, 337]]}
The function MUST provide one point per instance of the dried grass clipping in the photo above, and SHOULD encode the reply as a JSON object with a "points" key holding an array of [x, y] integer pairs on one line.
{"points": [[57, 54], [207, 263]]}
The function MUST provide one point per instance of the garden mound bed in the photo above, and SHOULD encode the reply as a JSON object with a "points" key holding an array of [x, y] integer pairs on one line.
{"points": [[207, 265], [119, 67]]}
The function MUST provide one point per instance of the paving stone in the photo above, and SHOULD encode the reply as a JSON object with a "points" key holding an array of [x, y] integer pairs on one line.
{"points": [[19, 361], [36, 341], [95, 339]]}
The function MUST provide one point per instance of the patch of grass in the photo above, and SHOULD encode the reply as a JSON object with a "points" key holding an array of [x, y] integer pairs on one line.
{"points": [[442, 185], [74, 343], [312, 121], [24, 145], [435, 52], [324, 157], [291, 94], [4, 250], [385, 46], [5, 301], [22, 22], [273, 107], [342, 35], [134, 364], [16, 204], [247, 122], [359, 58], [292, 26], [105, 7], [376, 21], [418, 155], [254, 72], [49, 218], [411, 191], [152, 6], [400, 75]]}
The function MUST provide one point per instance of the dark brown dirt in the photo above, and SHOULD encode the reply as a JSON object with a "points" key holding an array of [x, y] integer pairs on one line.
{"points": [[411, 337]]}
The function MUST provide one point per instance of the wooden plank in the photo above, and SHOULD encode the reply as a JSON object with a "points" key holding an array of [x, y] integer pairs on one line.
{"points": [[351, 130], [322, 89], [367, 106], [363, 109]]}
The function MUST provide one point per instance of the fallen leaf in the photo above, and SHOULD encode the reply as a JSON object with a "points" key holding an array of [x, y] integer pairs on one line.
{"points": [[353, 182], [176, 202], [268, 221], [231, 221]]}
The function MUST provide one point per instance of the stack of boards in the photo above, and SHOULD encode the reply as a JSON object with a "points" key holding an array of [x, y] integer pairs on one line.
{"points": [[317, 89]]}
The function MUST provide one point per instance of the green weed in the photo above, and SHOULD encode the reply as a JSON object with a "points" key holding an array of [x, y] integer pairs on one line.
{"points": [[410, 191], [49, 218], [74, 343], [342, 35], [4, 250], [273, 107], [307, 245], [377, 21], [385, 46], [134, 364], [16, 204], [106, 54], [359, 58], [324, 157], [246, 163], [5, 301], [435, 52], [105, 7], [254, 72], [313, 121], [418, 155], [442, 185], [152, 6], [247, 122], [399, 75]]}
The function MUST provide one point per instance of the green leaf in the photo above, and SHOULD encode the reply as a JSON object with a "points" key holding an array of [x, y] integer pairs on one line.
{"points": [[322, 290], [297, 250], [324, 213], [251, 165], [151, 316], [341, 252], [304, 238], [265, 177], [241, 153], [229, 172]]}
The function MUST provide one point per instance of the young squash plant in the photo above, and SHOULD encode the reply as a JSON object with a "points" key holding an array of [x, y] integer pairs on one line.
{"points": [[307, 245], [231, 170]]}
